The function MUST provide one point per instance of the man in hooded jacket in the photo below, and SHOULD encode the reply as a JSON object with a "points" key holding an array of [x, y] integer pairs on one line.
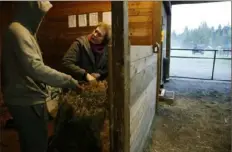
{"points": [[25, 78]]}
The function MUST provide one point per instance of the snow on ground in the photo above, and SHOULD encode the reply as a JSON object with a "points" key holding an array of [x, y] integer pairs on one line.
{"points": [[200, 68]]}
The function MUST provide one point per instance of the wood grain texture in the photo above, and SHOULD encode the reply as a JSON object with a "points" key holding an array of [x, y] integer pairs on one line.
{"points": [[110, 95], [140, 11], [140, 5], [141, 40], [146, 99], [157, 27], [139, 52], [142, 112], [120, 78], [140, 22], [140, 81], [141, 64], [141, 115], [139, 143]]}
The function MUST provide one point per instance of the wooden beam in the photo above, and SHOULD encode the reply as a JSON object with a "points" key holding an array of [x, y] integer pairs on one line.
{"points": [[120, 78], [168, 7], [168, 42], [157, 27]]}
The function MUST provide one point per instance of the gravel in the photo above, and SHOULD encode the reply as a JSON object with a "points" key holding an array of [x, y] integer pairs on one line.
{"points": [[205, 90], [198, 121]]}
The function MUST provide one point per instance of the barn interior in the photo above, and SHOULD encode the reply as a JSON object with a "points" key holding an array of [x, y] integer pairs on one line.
{"points": [[149, 111]]}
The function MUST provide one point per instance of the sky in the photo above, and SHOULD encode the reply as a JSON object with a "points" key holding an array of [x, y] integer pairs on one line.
{"points": [[192, 15]]}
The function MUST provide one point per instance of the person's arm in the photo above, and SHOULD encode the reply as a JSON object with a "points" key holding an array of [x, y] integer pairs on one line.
{"points": [[70, 60], [33, 65]]}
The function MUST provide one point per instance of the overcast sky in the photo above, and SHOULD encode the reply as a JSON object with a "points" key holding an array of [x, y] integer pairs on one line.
{"points": [[192, 15]]}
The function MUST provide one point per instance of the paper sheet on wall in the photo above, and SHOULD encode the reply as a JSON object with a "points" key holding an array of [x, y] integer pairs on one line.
{"points": [[82, 20], [106, 17], [93, 19], [72, 21]]}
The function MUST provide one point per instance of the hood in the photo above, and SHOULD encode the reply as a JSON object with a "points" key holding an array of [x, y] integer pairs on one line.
{"points": [[31, 13]]}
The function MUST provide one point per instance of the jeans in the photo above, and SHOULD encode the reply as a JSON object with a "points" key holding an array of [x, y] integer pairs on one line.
{"points": [[31, 124]]}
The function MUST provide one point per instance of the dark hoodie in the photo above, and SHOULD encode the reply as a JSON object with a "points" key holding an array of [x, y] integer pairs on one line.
{"points": [[24, 75]]}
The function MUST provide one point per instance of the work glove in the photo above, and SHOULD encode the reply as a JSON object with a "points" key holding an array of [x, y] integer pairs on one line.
{"points": [[90, 78], [96, 75]]}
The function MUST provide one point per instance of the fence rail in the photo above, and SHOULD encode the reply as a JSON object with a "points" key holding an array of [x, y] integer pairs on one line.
{"points": [[214, 57]]}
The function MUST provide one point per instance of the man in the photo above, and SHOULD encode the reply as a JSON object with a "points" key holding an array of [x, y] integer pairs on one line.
{"points": [[87, 58], [24, 76]]}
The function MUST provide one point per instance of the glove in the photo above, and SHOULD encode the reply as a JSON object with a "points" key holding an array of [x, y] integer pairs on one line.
{"points": [[90, 78], [96, 75]]}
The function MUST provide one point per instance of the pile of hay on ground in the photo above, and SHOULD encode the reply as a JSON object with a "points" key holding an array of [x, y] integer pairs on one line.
{"points": [[192, 126], [88, 112]]}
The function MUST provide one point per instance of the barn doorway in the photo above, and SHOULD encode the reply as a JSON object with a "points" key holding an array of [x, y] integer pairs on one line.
{"points": [[201, 43], [197, 115]]}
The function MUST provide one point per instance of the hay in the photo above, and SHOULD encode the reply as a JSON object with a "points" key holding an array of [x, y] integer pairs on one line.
{"points": [[91, 101], [192, 126], [89, 117]]}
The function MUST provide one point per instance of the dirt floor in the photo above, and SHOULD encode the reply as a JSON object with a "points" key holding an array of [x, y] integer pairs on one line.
{"points": [[199, 120]]}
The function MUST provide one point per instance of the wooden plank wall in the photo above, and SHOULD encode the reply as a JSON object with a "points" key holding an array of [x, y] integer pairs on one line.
{"points": [[140, 22], [144, 76], [143, 94]]}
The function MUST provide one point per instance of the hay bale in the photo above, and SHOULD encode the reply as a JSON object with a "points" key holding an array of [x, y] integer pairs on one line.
{"points": [[83, 120], [90, 102]]}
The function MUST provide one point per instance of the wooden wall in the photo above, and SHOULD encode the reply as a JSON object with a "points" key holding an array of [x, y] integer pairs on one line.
{"points": [[143, 94], [140, 22], [144, 77]]}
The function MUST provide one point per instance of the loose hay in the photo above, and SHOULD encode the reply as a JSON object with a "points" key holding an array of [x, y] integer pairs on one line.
{"points": [[91, 101], [192, 126], [89, 113]]}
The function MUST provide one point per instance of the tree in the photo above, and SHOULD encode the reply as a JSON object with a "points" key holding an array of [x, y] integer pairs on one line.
{"points": [[203, 34]]}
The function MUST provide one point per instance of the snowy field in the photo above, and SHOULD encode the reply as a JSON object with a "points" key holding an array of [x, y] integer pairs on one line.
{"points": [[200, 68]]}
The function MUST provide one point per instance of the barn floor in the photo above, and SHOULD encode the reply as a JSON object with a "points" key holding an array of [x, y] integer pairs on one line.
{"points": [[199, 120]]}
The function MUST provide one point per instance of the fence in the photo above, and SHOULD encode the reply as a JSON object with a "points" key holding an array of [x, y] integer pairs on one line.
{"points": [[205, 64]]}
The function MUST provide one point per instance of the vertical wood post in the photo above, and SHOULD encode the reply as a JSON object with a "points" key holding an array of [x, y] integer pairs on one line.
{"points": [[120, 78], [168, 42], [157, 27]]}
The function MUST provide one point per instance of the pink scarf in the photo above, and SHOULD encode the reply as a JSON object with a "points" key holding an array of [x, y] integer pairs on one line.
{"points": [[96, 48]]}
